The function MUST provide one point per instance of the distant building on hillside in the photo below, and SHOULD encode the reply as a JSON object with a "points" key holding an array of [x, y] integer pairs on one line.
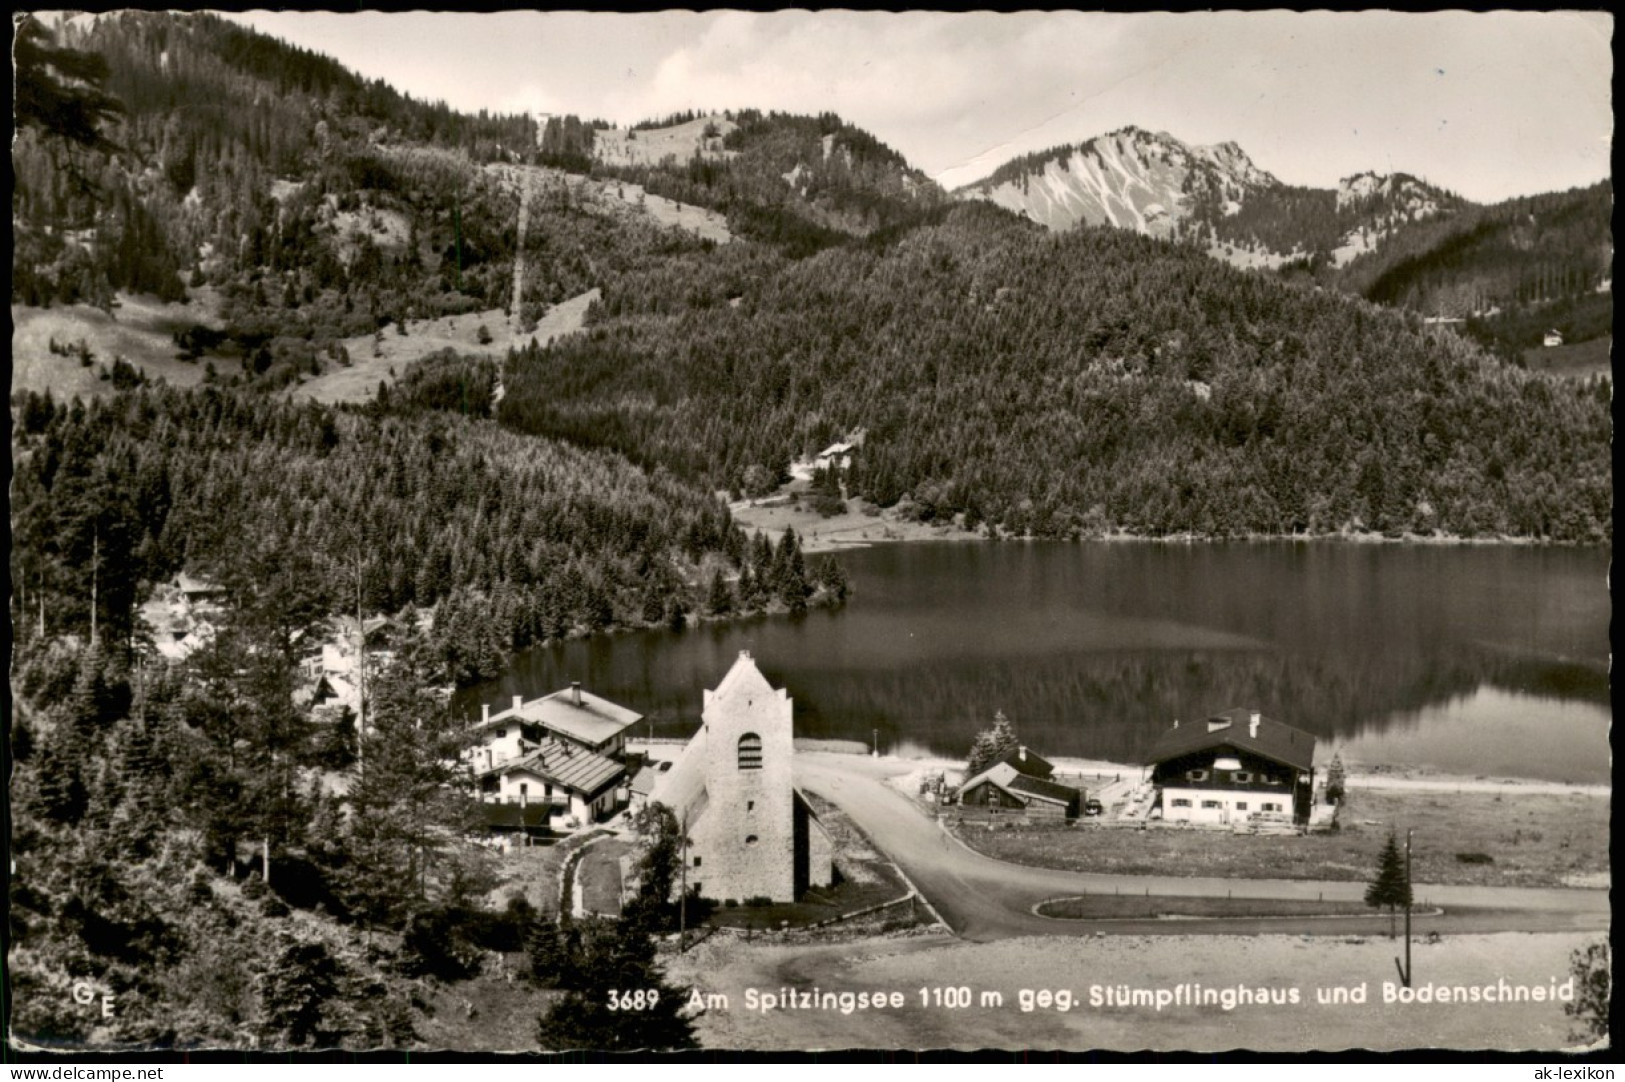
{"points": [[837, 456], [752, 835], [1553, 338], [1233, 766]]}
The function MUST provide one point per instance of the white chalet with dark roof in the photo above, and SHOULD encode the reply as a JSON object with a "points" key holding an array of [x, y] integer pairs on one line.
{"points": [[1232, 767], [562, 750]]}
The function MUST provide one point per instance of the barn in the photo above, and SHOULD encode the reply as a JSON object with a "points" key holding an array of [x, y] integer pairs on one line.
{"points": [[1002, 788]]}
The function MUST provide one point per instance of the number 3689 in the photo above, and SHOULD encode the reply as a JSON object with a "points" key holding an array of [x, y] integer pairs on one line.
{"points": [[641, 1000]]}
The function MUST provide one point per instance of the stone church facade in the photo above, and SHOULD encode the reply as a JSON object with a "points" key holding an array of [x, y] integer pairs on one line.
{"points": [[751, 834]]}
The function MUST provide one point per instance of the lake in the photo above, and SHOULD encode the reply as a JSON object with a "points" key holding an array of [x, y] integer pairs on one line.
{"points": [[1471, 659]]}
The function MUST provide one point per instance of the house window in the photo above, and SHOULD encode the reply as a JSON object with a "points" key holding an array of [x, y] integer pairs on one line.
{"points": [[1196, 775], [750, 805], [750, 752], [501, 733], [1271, 779], [524, 788], [696, 862], [1182, 803], [1242, 777], [1211, 804], [750, 839], [1241, 805]]}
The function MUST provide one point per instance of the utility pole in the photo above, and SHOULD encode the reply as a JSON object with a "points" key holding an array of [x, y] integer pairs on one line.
{"points": [[1405, 970], [360, 671], [682, 889], [95, 572]]}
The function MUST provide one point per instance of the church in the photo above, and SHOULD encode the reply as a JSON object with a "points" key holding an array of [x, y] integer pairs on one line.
{"points": [[751, 834]]}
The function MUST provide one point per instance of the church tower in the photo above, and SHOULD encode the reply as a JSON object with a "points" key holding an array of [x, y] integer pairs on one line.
{"points": [[749, 824]]}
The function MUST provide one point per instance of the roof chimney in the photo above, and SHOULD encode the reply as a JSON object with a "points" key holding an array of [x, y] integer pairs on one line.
{"points": [[485, 713], [1252, 725], [744, 653], [518, 700], [1021, 752], [575, 693], [1176, 723]]}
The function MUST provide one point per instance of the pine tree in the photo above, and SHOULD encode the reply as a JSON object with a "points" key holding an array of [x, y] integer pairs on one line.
{"points": [[406, 801], [662, 839], [831, 578], [296, 993], [60, 90], [611, 959], [61, 796], [719, 598], [1005, 739], [1392, 887], [790, 572], [981, 754]]}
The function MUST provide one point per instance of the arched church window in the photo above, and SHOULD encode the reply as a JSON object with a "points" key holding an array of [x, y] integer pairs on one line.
{"points": [[750, 752]]}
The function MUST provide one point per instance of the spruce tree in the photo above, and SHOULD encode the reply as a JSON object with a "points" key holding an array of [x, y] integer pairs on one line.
{"points": [[1005, 739], [1392, 886], [719, 598], [981, 754], [612, 959]]}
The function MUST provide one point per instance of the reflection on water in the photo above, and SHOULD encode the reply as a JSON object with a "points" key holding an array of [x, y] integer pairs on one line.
{"points": [[1092, 649], [1489, 732]]}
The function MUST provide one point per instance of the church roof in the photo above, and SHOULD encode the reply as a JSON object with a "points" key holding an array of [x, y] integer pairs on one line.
{"points": [[682, 788], [744, 677]]}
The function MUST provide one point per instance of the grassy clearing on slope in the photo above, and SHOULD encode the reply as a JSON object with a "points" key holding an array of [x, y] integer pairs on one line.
{"points": [[384, 358], [1532, 840], [140, 329], [1578, 360]]}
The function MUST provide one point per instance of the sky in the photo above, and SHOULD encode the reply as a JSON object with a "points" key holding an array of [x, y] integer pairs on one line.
{"points": [[1486, 105]]}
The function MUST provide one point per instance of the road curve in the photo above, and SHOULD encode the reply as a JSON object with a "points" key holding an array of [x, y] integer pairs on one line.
{"points": [[985, 899]]}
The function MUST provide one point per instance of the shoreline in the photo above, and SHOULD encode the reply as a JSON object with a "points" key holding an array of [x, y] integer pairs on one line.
{"points": [[858, 529], [1412, 779]]}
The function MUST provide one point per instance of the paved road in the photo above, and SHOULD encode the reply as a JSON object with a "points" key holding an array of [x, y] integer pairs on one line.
{"points": [[985, 899]]}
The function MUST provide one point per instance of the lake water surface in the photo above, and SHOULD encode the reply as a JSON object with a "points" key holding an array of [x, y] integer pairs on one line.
{"points": [[1475, 659]]}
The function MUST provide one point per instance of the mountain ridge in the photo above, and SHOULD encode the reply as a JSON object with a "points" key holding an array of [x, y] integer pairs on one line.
{"points": [[1213, 195]]}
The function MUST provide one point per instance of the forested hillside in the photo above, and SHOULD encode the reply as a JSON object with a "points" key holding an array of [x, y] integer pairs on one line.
{"points": [[517, 540], [301, 203], [210, 115], [1076, 383], [800, 183], [1517, 269]]}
